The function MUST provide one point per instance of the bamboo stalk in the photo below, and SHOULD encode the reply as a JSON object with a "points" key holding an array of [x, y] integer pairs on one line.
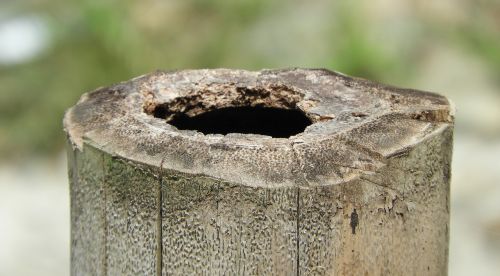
{"points": [[355, 180]]}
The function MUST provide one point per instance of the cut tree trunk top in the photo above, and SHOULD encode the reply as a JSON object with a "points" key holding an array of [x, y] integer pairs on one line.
{"points": [[356, 124]]}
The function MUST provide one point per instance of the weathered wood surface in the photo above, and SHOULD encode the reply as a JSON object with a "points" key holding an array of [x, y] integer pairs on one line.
{"points": [[364, 190]]}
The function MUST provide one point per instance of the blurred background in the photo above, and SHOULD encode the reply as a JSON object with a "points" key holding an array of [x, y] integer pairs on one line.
{"points": [[51, 51]]}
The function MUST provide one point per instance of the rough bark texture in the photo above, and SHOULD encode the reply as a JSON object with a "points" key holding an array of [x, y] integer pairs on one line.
{"points": [[364, 190]]}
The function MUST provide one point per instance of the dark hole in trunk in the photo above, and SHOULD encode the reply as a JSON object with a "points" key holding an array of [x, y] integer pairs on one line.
{"points": [[275, 122]]}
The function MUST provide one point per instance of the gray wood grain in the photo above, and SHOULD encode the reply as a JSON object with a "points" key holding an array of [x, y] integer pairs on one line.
{"points": [[364, 190], [88, 222], [131, 216]]}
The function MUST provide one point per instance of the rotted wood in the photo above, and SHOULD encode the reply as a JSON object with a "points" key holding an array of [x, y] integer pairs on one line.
{"points": [[363, 190]]}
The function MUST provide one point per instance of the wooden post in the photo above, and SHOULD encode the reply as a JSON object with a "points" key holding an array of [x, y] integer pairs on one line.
{"points": [[355, 180]]}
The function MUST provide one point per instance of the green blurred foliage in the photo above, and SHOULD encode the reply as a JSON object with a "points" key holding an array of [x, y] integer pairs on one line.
{"points": [[99, 42]]}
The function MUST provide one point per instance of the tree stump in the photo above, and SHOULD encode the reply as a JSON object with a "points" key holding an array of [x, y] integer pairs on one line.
{"points": [[276, 172]]}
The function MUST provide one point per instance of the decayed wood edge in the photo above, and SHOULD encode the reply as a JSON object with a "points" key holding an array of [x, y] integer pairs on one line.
{"points": [[356, 173], [145, 159]]}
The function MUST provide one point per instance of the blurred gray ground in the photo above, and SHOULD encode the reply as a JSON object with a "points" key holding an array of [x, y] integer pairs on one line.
{"points": [[34, 218]]}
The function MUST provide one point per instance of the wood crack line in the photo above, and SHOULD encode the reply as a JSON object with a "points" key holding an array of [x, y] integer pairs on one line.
{"points": [[105, 214], [298, 231], [159, 222], [297, 234]]}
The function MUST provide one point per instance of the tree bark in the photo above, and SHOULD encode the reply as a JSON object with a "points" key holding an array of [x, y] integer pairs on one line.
{"points": [[363, 190]]}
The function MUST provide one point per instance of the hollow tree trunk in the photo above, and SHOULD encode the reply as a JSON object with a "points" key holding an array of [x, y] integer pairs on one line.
{"points": [[356, 184]]}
